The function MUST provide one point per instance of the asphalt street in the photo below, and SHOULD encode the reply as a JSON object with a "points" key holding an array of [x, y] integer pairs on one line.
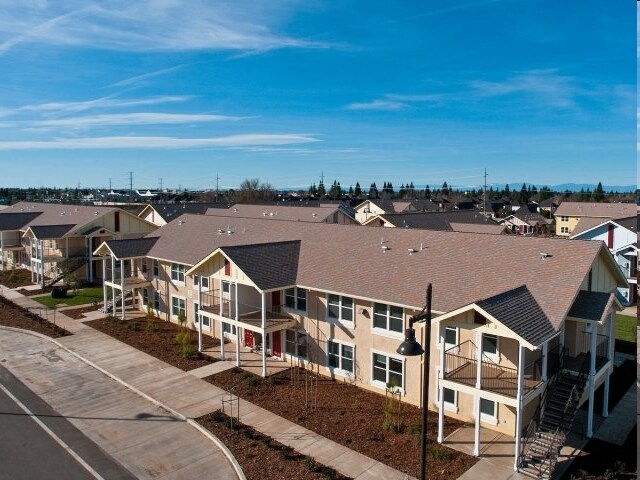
{"points": [[28, 451]]}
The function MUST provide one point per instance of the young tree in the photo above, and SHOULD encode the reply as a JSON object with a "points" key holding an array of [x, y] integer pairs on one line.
{"points": [[373, 191], [445, 189], [427, 192], [321, 191], [358, 191], [598, 194]]}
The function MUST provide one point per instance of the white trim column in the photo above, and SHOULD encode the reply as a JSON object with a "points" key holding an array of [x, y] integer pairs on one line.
{"points": [[198, 316], [520, 393], [440, 386], [89, 239], [592, 378], [221, 326], [113, 282], [264, 335], [545, 360], [237, 310], [476, 436], [479, 361], [2, 250], [122, 288], [41, 250], [104, 286]]}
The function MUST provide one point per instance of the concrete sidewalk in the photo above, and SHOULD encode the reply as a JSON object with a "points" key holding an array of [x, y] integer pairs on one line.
{"points": [[192, 397]]}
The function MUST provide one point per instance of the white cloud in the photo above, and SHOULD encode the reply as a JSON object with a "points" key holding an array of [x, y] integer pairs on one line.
{"points": [[141, 78], [132, 119], [104, 102], [234, 141], [148, 25], [389, 105]]}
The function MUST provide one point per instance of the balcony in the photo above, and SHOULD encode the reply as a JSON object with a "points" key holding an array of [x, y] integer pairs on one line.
{"points": [[602, 353], [250, 316], [461, 366]]}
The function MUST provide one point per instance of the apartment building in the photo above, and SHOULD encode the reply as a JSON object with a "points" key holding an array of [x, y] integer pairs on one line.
{"points": [[338, 298], [569, 214]]}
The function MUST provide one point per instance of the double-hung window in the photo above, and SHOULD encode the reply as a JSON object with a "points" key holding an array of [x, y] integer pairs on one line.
{"points": [[450, 337], [145, 297], [177, 272], [295, 343], [296, 298], [340, 356], [156, 268], [490, 346], [178, 307], [388, 371], [488, 411], [198, 317], [450, 398], [197, 280], [156, 300], [388, 318], [144, 265], [340, 308]]}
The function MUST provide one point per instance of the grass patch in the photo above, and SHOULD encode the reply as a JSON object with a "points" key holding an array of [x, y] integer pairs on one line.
{"points": [[83, 296], [626, 328]]}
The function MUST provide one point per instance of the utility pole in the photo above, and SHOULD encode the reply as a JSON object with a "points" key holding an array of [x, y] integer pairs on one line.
{"points": [[217, 178], [484, 212], [130, 186], [160, 184]]}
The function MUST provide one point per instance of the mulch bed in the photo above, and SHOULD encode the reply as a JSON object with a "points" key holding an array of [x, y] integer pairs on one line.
{"points": [[77, 313], [160, 342], [351, 416], [12, 315], [33, 293], [261, 457], [19, 277]]}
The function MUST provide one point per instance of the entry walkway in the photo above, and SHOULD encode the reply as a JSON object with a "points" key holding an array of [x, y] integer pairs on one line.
{"points": [[184, 394]]}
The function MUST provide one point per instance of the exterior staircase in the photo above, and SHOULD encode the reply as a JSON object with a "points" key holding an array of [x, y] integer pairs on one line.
{"points": [[109, 306], [68, 265], [552, 422]]}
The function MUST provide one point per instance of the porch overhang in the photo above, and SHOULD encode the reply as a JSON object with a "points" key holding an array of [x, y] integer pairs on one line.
{"points": [[130, 283], [252, 320]]}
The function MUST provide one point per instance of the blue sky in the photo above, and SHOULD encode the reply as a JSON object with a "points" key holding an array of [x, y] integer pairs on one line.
{"points": [[542, 92]]}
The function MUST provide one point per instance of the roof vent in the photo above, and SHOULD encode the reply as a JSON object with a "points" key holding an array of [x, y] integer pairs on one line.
{"points": [[314, 214], [412, 251], [219, 231], [180, 222], [229, 232], [385, 248], [271, 214], [544, 255], [235, 209], [264, 214], [96, 213]]}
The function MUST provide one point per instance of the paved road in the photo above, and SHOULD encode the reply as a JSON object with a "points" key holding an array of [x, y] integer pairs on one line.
{"points": [[35, 443]]}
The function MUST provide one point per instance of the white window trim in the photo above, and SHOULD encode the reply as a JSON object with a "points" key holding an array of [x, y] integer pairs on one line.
{"points": [[200, 277], [178, 282], [295, 299], [153, 302], [230, 334], [449, 407], [155, 265], [185, 306], [196, 321], [383, 385], [491, 420], [492, 356], [292, 355], [447, 346], [347, 323], [340, 371], [385, 332]]}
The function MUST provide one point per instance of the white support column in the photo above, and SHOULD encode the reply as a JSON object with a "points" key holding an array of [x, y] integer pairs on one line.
{"points": [[42, 262], [104, 286], [592, 378], [545, 360], [90, 260], [520, 394], [440, 386], [221, 327], [264, 335], [237, 310], [221, 303], [476, 436], [113, 289], [31, 263], [2, 249], [66, 247], [198, 316], [479, 361], [122, 288]]}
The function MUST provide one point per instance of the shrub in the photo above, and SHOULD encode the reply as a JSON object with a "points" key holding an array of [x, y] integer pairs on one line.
{"points": [[440, 453]]}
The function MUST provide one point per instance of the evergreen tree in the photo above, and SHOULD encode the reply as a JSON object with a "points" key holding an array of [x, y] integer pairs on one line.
{"points": [[351, 192], [313, 190], [402, 191], [411, 190], [427, 192], [598, 194], [321, 191], [507, 191], [445, 189], [358, 191], [373, 191], [523, 197]]}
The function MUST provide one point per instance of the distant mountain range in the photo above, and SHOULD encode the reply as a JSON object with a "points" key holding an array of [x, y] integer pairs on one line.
{"points": [[576, 187]]}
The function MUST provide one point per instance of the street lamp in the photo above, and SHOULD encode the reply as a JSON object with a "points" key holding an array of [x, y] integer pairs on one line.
{"points": [[411, 348]]}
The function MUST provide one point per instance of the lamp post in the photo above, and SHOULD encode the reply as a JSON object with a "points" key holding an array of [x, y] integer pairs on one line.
{"points": [[411, 348]]}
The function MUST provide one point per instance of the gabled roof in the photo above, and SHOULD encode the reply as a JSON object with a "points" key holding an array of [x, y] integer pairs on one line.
{"points": [[519, 311], [592, 209], [277, 212], [436, 220], [169, 211], [630, 223], [277, 266], [532, 218], [591, 305], [129, 248], [50, 232], [479, 228], [16, 221], [587, 224]]}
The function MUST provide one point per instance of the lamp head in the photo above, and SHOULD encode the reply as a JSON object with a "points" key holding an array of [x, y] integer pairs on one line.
{"points": [[410, 347]]}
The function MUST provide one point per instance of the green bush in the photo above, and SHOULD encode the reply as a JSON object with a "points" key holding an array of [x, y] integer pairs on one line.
{"points": [[440, 453]]}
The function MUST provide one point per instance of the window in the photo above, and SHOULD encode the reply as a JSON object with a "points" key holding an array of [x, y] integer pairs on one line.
{"points": [[340, 308], [296, 298], [488, 411], [564, 229], [156, 268], [227, 267], [564, 218], [156, 301], [177, 272], [296, 343], [197, 279], [197, 317], [229, 329], [450, 337], [144, 265], [340, 356], [387, 371], [450, 398], [145, 297], [490, 345], [178, 307], [388, 317]]}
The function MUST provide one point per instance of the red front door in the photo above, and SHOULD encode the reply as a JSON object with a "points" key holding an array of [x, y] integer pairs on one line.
{"points": [[275, 302], [276, 348], [248, 338]]}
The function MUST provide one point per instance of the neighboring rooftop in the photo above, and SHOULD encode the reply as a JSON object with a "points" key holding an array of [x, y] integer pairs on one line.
{"points": [[591, 305], [16, 221], [437, 220], [592, 209], [58, 214], [131, 248], [279, 212]]}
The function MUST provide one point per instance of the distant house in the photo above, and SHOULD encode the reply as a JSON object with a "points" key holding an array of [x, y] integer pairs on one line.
{"points": [[162, 213], [453, 220], [330, 213], [621, 238], [569, 214], [524, 222], [369, 208]]}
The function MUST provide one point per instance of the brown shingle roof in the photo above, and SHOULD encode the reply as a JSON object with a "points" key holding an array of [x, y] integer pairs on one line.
{"points": [[131, 248], [463, 267], [591, 305], [591, 209], [277, 212]]}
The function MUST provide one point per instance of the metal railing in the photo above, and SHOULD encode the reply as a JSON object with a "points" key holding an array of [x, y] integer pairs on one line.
{"points": [[602, 344], [226, 308]]}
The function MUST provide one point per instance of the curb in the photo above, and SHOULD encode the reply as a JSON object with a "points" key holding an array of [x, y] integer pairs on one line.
{"points": [[193, 423]]}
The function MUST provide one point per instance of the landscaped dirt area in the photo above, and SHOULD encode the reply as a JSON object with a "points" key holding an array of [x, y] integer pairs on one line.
{"points": [[12, 315], [261, 457], [159, 342], [77, 313], [19, 277], [351, 416]]}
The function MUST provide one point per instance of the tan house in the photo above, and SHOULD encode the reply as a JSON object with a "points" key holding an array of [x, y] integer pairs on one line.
{"points": [[337, 299], [52, 239], [569, 214]]}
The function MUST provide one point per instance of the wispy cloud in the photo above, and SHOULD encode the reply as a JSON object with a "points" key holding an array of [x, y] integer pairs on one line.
{"points": [[104, 102], [548, 86], [397, 101], [132, 119], [389, 105], [147, 25], [128, 82], [119, 142]]}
